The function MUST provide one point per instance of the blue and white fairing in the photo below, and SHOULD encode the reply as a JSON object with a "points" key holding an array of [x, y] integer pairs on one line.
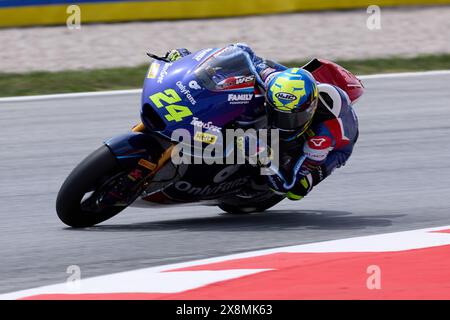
{"points": [[218, 87]]}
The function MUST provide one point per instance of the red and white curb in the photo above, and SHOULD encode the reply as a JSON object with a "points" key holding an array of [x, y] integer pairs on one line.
{"points": [[411, 265]]}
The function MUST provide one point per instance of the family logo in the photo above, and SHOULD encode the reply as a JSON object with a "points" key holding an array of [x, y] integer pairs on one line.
{"points": [[242, 98]]}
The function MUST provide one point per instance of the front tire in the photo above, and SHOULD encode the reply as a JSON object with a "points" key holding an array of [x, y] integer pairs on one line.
{"points": [[86, 177]]}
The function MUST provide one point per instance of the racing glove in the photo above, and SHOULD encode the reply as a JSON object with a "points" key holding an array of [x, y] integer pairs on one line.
{"points": [[307, 173], [175, 54], [300, 189]]}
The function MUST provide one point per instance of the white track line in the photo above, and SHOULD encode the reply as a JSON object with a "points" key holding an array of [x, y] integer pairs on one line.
{"points": [[71, 95], [138, 91], [157, 279], [405, 74]]}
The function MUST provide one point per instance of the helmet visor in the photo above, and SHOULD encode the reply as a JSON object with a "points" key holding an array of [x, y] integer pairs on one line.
{"points": [[290, 121]]}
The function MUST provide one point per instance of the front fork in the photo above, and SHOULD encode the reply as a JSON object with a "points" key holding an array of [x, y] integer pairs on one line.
{"points": [[141, 155]]}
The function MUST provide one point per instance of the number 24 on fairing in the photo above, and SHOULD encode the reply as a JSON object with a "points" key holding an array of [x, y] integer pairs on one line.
{"points": [[170, 97]]}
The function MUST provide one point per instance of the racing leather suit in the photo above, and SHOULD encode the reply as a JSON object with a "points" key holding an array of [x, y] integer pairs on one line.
{"points": [[307, 160]]}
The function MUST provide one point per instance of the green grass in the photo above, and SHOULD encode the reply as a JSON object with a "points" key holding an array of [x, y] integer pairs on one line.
{"points": [[71, 81], [12, 84]]}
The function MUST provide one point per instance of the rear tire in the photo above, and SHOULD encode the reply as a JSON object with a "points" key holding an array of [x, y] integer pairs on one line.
{"points": [[260, 203], [86, 177]]}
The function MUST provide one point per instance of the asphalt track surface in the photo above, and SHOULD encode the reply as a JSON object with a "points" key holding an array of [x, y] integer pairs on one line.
{"points": [[397, 179]]}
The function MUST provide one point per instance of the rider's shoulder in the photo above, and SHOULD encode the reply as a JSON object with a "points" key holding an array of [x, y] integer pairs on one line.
{"points": [[332, 97], [329, 91]]}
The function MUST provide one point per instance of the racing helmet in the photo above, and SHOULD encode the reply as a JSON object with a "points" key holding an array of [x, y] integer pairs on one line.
{"points": [[291, 101]]}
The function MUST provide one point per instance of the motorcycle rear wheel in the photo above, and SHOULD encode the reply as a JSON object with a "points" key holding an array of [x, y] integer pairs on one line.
{"points": [[86, 177], [259, 203]]}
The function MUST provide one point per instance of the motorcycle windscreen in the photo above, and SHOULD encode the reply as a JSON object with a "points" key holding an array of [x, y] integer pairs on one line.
{"points": [[227, 69]]}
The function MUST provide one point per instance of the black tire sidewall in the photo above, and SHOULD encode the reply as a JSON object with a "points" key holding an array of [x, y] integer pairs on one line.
{"points": [[98, 164], [240, 206]]}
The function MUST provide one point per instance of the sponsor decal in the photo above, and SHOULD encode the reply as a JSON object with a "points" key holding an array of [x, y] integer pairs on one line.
{"points": [[205, 137], [239, 82], [194, 85], [186, 92], [317, 148], [285, 96], [199, 56], [319, 173], [242, 98], [226, 84], [147, 164], [204, 125], [245, 79], [320, 142], [153, 71], [207, 190], [163, 72]]}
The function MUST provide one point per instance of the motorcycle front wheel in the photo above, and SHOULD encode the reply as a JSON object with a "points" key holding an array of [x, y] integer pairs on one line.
{"points": [[80, 186]]}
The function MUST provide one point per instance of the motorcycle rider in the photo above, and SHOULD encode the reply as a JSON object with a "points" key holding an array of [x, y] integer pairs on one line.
{"points": [[317, 125]]}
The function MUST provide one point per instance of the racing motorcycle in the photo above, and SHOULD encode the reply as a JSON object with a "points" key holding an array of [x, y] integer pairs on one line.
{"points": [[204, 93]]}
